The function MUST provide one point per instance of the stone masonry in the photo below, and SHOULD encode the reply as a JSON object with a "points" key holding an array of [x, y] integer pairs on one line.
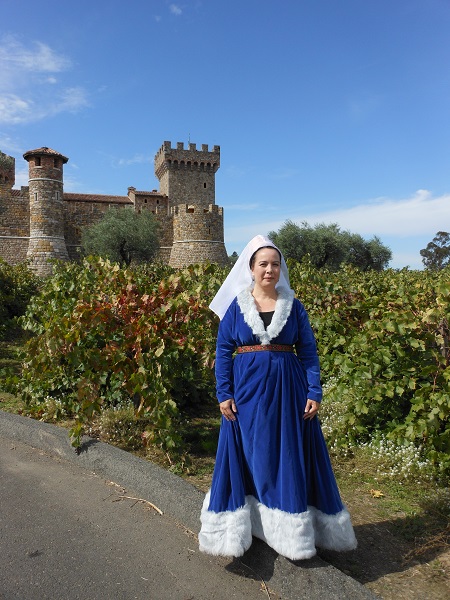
{"points": [[40, 222]]}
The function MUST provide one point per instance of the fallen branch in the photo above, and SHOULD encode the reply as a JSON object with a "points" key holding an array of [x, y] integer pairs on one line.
{"points": [[158, 510]]}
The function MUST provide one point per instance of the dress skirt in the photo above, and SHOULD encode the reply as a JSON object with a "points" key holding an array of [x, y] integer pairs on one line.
{"points": [[273, 477]]}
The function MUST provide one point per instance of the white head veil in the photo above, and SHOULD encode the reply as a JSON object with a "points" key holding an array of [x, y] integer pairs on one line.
{"points": [[240, 276]]}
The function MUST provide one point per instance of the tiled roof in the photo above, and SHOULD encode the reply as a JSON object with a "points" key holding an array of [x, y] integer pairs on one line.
{"points": [[72, 197], [144, 193], [45, 150]]}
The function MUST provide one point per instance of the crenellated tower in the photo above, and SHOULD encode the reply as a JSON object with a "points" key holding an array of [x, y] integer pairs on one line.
{"points": [[7, 174], [45, 168], [187, 177]]}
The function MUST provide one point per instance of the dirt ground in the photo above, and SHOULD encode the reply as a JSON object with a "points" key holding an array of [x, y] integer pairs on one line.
{"points": [[391, 568]]}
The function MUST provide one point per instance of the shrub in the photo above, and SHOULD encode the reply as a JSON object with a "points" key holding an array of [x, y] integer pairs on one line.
{"points": [[17, 285], [104, 335]]}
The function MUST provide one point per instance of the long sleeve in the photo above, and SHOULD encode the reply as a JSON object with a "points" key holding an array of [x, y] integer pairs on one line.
{"points": [[306, 349], [224, 357]]}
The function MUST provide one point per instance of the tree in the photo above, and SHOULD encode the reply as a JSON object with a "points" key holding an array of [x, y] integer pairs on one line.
{"points": [[122, 236], [329, 247], [436, 255]]}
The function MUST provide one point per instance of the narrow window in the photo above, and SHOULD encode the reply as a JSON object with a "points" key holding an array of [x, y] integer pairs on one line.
{"points": [[204, 185]]}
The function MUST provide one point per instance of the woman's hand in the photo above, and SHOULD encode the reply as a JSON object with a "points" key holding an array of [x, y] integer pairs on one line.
{"points": [[228, 408], [311, 409]]}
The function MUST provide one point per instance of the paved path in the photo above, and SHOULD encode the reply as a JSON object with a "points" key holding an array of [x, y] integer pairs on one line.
{"points": [[66, 533]]}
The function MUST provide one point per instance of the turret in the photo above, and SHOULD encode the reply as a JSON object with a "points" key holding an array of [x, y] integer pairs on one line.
{"points": [[46, 208], [187, 177], [7, 173]]}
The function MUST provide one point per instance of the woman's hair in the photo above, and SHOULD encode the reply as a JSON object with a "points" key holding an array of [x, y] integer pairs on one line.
{"points": [[252, 258]]}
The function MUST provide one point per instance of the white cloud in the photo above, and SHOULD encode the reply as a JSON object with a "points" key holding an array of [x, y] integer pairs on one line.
{"points": [[29, 90], [7, 144], [14, 109], [418, 215], [19, 110], [175, 9], [18, 62], [137, 159]]}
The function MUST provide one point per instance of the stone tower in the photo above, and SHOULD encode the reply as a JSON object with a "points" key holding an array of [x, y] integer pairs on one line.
{"points": [[7, 174], [187, 177], [45, 168]]}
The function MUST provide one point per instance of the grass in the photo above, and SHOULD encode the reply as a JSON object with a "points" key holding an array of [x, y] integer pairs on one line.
{"points": [[9, 364]]}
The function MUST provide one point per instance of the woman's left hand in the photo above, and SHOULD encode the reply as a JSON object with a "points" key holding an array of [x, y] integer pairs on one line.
{"points": [[311, 409]]}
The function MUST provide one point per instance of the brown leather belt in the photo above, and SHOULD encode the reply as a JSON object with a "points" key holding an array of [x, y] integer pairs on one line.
{"points": [[266, 348]]}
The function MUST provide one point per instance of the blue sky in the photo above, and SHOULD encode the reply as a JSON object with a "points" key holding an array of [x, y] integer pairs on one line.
{"points": [[325, 110]]}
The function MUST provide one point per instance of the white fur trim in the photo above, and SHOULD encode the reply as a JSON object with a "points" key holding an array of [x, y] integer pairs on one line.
{"points": [[334, 532], [294, 535], [289, 534], [227, 533], [283, 309]]}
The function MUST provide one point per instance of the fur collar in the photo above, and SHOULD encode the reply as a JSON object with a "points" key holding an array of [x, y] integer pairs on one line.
{"points": [[283, 308]]}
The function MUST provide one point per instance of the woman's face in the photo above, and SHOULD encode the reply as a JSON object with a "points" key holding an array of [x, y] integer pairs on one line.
{"points": [[266, 267]]}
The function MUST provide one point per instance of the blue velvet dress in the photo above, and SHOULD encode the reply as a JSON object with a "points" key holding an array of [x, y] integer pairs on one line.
{"points": [[272, 478]]}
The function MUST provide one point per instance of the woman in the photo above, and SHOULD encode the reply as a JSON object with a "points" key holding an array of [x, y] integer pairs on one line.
{"points": [[273, 477]]}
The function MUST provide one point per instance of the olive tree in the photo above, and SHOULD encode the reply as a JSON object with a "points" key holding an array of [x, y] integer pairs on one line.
{"points": [[330, 247], [122, 236]]}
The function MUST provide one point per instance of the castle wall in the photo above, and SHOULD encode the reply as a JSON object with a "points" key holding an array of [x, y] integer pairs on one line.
{"points": [[13, 250], [83, 210], [197, 235], [14, 224]]}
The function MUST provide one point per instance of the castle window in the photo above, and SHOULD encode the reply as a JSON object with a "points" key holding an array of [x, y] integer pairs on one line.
{"points": [[190, 209], [145, 200], [204, 185], [37, 161], [157, 201], [56, 163]]}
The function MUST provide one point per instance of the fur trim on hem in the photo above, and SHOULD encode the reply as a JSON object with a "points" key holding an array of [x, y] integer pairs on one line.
{"points": [[293, 535], [334, 532], [289, 534], [226, 533]]}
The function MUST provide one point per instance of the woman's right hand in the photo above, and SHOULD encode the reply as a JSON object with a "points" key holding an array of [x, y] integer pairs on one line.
{"points": [[228, 409]]}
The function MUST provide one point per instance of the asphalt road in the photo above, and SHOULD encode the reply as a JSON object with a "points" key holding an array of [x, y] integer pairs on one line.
{"points": [[67, 534], [71, 528]]}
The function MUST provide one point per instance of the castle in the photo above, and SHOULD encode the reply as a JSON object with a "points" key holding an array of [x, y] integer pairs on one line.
{"points": [[41, 222]]}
